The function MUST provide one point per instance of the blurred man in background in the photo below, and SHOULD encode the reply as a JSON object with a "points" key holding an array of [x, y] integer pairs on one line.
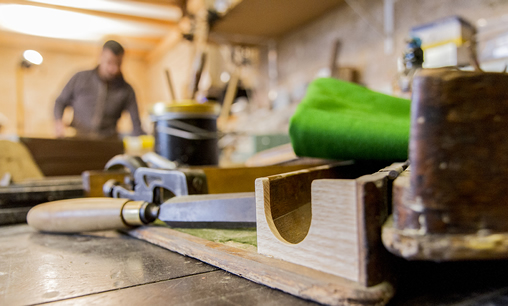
{"points": [[98, 98]]}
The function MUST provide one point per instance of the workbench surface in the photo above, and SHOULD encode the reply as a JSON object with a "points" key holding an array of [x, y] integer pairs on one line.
{"points": [[110, 268]]}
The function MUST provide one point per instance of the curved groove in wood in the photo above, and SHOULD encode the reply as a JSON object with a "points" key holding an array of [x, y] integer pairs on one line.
{"points": [[290, 227]]}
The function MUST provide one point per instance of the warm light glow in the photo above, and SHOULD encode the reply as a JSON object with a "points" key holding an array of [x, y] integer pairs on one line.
{"points": [[33, 57], [272, 95], [121, 7], [55, 23], [481, 22], [224, 77]]}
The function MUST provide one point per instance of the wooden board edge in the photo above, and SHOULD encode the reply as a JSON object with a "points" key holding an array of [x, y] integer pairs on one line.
{"points": [[414, 245], [374, 190], [291, 278]]}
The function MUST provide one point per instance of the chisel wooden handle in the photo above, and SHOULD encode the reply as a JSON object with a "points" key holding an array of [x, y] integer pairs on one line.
{"points": [[90, 214]]}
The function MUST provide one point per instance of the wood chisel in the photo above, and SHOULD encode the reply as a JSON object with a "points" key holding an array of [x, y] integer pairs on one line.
{"points": [[229, 210]]}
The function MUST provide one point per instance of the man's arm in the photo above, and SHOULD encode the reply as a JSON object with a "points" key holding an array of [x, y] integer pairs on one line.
{"points": [[63, 100], [132, 107]]}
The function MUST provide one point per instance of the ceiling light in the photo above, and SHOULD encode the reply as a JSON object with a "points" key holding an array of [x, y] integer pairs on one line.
{"points": [[224, 77], [47, 22], [163, 12], [33, 57]]}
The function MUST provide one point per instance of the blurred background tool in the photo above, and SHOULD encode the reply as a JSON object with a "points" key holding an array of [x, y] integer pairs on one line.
{"points": [[198, 71], [23, 185], [412, 61], [172, 95], [444, 41]]}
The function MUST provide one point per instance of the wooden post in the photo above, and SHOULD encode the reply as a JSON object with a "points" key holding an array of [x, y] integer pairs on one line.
{"points": [[458, 153], [452, 204], [20, 101]]}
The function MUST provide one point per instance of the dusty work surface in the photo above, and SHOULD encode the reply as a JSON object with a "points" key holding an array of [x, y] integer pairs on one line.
{"points": [[420, 283], [109, 268]]}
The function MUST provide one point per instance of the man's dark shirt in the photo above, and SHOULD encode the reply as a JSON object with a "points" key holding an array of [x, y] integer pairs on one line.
{"points": [[82, 94]]}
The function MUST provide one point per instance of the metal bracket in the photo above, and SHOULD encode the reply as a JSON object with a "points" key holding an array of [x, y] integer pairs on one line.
{"points": [[157, 185]]}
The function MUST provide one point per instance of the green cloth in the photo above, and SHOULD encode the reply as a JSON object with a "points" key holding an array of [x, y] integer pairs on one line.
{"points": [[341, 120], [239, 238], [243, 238]]}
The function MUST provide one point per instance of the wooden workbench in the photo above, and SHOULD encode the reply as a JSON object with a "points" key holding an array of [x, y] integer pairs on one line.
{"points": [[110, 268]]}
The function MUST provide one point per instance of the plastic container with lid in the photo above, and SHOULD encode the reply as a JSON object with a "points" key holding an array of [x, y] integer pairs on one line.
{"points": [[186, 132]]}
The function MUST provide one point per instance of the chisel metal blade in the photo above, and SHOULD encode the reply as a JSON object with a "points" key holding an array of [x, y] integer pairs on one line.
{"points": [[227, 210]]}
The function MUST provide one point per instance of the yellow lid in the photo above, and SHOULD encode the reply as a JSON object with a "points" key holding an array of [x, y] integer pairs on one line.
{"points": [[185, 106]]}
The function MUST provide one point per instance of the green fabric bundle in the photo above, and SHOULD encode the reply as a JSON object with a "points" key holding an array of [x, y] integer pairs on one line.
{"points": [[341, 120]]}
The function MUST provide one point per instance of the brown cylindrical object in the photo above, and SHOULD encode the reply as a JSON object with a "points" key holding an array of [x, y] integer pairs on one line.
{"points": [[84, 215], [458, 154]]}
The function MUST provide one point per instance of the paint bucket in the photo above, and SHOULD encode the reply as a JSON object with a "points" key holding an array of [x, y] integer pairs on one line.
{"points": [[186, 132]]}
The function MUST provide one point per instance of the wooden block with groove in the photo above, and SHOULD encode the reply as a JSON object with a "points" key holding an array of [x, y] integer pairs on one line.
{"points": [[327, 218]]}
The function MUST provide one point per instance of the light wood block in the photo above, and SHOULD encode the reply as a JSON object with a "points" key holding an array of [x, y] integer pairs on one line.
{"points": [[338, 231], [16, 160]]}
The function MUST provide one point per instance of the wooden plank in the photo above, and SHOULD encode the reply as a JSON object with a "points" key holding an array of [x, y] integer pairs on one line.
{"points": [[373, 204], [411, 245], [98, 13], [330, 225], [241, 179], [172, 38], [71, 156], [294, 279], [283, 155], [93, 181], [271, 19], [179, 3], [16, 160], [136, 47], [219, 180]]}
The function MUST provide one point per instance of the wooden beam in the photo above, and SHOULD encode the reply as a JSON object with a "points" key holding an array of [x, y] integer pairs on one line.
{"points": [[177, 3], [12, 39], [195, 6], [139, 39], [146, 20], [271, 19], [168, 42], [144, 43]]}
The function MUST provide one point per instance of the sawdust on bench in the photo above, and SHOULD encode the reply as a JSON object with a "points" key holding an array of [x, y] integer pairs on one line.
{"points": [[244, 238]]}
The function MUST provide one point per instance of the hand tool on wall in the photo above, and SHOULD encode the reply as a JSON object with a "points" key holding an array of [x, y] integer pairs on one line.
{"points": [[170, 85], [197, 73], [334, 66]]}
